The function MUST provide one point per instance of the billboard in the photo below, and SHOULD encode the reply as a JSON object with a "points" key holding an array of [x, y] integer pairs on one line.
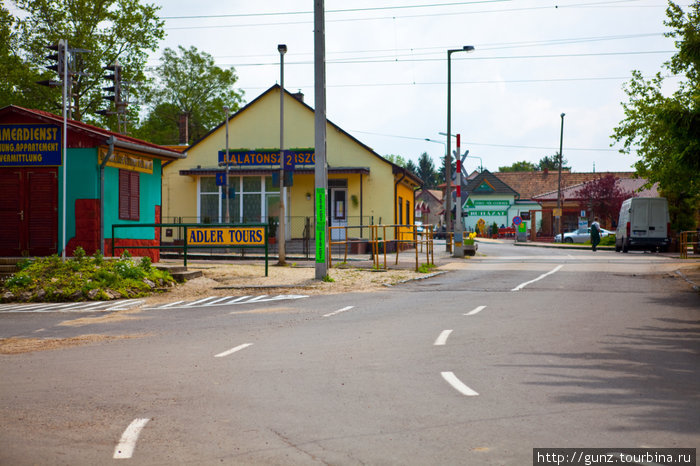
{"points": [[30, 146]]}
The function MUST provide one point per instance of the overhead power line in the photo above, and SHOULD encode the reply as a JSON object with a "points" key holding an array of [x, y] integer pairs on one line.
{"points": [[510, 146]]}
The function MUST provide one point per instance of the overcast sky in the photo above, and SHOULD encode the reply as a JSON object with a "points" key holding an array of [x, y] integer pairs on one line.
{"points": [[387, 68]]}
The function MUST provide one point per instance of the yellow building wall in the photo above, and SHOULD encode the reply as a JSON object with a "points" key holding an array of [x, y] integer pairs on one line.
{"points": [[257, 127]]}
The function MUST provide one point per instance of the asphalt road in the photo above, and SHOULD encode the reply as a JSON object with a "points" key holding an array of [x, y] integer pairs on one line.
{"points": [[518, 349]]}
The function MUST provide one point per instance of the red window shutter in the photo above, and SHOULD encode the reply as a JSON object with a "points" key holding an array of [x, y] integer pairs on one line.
{"points": [[123, 194], [129, 195], [134, 196]]}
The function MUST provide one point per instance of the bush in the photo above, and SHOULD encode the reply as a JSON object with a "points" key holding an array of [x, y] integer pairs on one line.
{"points": [[51, 279]]}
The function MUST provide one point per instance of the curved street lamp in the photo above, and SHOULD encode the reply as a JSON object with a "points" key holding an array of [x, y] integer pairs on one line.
{"points": [[448, 157]]}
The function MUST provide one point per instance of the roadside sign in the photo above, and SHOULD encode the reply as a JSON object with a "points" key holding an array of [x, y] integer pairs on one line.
{"points": [[221, 179], [517, 220], [225, 236], [556, 212]]}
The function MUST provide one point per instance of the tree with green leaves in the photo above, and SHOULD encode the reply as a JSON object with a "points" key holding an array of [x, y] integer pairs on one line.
{"points": [[664, 130], [396, 160], [123, 30], [523, 166], [426, 171], [551, 162], [189, 83]]}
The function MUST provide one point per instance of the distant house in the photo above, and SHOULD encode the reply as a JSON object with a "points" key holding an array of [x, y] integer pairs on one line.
{"points": [[429, 207], [572, 200], [529, 194]]}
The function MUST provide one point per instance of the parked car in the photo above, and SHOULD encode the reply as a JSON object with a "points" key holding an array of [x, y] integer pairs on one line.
{"points": [[581, 235]]}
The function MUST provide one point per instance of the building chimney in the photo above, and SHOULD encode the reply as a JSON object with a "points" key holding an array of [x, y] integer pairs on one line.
{"points": [[182, 129], [299, 96]]}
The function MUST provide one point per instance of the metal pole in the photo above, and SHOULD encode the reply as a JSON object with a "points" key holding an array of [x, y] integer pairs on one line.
{"points": [[65, 145], [448, 156], [459, 248], [561, 213], [320, 169], [227, 191], [281, 235]]}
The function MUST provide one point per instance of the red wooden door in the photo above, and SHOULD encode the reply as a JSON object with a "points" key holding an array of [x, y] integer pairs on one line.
{"points": [[28, 211]]}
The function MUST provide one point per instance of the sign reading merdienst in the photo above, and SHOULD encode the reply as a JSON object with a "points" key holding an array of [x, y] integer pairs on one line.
{"points": [[30, 145], [226, 236]]}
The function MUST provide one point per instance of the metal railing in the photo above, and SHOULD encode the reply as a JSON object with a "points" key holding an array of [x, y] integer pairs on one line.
{"points": [[402, 237], [689, 240], [185, 246]]}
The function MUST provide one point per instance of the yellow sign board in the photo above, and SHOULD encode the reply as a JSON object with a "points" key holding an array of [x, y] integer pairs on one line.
{"points": [[127, 161], [233, 236], [556, 212]]}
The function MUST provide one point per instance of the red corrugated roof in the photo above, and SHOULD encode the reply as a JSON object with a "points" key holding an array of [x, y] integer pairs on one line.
{"points": [[93, 130]]}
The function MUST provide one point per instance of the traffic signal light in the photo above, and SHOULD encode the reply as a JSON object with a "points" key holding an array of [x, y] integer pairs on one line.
{"points": [[60, 63], [59, 57], [116, 78]]}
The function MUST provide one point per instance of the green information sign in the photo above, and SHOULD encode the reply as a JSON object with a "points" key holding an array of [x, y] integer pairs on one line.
{"points": [[320, 225]]}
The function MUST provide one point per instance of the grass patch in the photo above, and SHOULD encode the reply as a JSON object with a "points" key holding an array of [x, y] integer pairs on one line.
{"points": [[83, 278], [426, 268]]}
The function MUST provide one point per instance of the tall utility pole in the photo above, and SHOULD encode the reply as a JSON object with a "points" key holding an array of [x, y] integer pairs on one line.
{"points": [[281, 231], [320, 169], [65, 145], [227, 191], [561, 144]]}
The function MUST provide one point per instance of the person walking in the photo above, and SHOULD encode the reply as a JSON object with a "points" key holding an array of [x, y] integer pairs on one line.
{"points": [[595, 233]]}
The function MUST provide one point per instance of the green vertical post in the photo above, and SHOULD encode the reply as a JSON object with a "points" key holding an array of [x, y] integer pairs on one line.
{"points": [[320, 226]]}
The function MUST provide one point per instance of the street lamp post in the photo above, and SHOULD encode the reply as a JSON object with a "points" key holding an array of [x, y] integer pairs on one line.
{"points": [[227, 191], [282, 48], [559, 209], [448, 157]]}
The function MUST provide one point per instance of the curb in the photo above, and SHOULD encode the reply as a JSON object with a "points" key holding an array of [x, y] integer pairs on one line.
{"points": [[695, 286], [430, 275]]}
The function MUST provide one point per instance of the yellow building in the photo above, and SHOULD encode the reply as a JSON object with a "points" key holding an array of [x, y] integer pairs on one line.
{"points": [[363, 187]]}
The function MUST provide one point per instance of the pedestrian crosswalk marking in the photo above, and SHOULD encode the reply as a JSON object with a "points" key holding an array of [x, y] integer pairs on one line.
{"points": [[125, 304], [214, 301]]}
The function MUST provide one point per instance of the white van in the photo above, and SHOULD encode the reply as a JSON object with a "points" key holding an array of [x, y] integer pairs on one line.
{"points": [[643, 224]]}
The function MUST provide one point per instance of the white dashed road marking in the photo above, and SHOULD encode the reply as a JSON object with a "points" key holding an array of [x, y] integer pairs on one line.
{"points": [[457, 384], [523, 285], [233, 350], [475, 311], [442, 339], [126, 445], [330, 314]]}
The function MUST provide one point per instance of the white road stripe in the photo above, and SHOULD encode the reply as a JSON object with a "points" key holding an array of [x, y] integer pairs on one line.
{"points": [[124, 305], [523, 285], [457, 384], [442, 339], [237, 300], [475, 311], [200, 301], [233, 350], [126, 445], [338, 311], [165, 306], [211, 303]]}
